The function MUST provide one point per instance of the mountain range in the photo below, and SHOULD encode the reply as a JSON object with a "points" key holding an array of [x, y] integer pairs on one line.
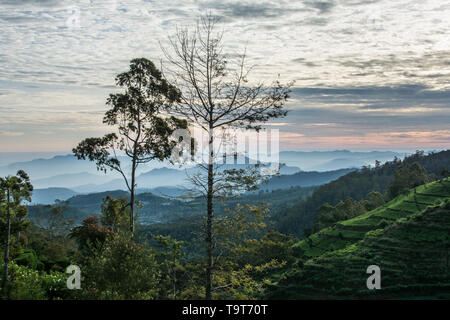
{"points": [[82, 176], [48, 195], [334, 160]]}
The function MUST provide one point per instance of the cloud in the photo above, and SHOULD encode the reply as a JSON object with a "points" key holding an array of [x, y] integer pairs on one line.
{"points": [[358, 67], [322, 6], [357, 116], [246, 10], [386, 96], [45, 3], [11, 133]]}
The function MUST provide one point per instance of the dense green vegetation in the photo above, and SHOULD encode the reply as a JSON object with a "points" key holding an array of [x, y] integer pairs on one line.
{"points": [[166, 216], [403, 229], [407, 237], [356, 185], [184, 227]]}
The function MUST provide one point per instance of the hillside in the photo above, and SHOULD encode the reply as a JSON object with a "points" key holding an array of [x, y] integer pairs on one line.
{"points": [[160, 209], [44, 168], [356, 184], [154, 208], [82, 176], [303, 179], [183, 227], [334, 160], [71, 180], [407, 237], [49, 195]]}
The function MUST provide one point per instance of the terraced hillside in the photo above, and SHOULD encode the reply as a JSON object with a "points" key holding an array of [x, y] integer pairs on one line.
{"points": [[408, 238]]}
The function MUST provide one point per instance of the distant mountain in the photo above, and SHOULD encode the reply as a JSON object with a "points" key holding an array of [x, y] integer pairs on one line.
{"points": [[334, 160], [43, 168], [91, 202], [66, 171], [115, 184], [340, 163], [70, 180], [7, 158], [167, 192], [49, 195], [161, 177], [304, 179], [289, 169], [67, 164], [158, 177]]}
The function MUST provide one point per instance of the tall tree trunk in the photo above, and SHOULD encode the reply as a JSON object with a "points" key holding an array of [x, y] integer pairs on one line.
{"points": [[209, 218], [7, 242], [133, 184], [133, 173]]}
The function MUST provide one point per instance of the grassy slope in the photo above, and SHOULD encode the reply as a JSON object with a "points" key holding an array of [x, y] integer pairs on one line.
{"points": [[357, 184], [406, 237]]}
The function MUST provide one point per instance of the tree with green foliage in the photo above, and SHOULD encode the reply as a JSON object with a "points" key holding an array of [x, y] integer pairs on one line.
{"points": [[90, 235], [374, 200], [238, 271], [273, 245], [143, 132], [406, 177], [120, 269], [445, 173], [13, 191], [53, 220], [347, 209], [115, 214], [49, 236], [216, 94], [329, 215], [168, 256]]}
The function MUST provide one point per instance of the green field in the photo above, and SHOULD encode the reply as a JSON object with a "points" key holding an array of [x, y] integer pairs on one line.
{"points": [[407, 237]]}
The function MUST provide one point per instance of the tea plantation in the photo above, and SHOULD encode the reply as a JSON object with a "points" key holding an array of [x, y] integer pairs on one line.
{"points": [[408, 238]]}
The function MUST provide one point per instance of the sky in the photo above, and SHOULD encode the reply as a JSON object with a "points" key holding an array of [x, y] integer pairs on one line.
{"points": [[369, 74]]}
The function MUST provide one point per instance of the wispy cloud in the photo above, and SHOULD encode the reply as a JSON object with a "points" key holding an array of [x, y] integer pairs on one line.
{"points": [[11, 133], [359, 65]]}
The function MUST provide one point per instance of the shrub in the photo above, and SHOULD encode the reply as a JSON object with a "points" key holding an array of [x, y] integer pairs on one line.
{"points": [[121, 270], [55, 285], [28, 258], [24, 284], [28, 284]]}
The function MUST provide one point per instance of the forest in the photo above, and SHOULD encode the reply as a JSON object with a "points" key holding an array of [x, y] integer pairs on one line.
{"points": [[254, 257]]}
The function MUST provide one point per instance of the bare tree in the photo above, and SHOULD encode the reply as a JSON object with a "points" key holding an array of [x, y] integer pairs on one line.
{"points": [[216, 94]]}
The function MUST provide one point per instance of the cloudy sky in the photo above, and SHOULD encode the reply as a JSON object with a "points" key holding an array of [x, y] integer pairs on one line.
{"points": [[369, 74]]}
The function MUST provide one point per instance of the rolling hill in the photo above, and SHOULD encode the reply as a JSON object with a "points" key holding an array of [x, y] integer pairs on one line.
{"points": [[356, 184], [303, 179], [60, 170], [49, 195], [408, 238], [70, 180], [334, 160], [168, 214]]}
